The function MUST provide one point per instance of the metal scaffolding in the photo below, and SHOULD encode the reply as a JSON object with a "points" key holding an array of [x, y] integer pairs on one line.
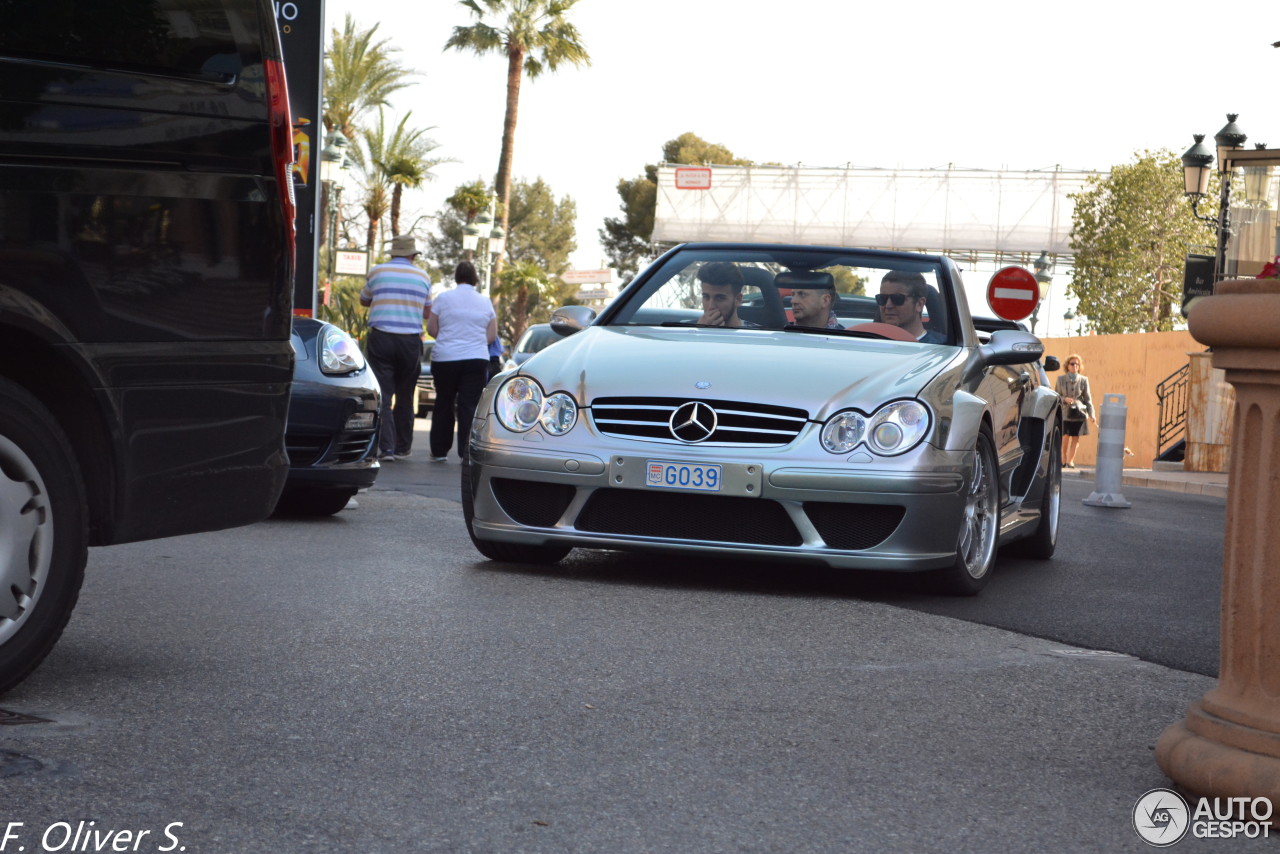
{"points": [[972, 215]]}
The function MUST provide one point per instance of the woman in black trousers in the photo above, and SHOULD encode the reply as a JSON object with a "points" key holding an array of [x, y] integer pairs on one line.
{"points": [[464, 324]]}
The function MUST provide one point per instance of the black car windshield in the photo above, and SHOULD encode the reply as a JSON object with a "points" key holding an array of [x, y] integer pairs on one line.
{"points": [[880, 294], [536, 338]]}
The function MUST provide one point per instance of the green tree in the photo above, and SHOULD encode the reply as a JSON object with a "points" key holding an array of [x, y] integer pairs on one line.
{"points": [[1131, 232], [542, 232], [444, 245], [377, 202], [542, 229], [359, 74], [627, 240], [522, 288], [401, 158], [535, 36]]}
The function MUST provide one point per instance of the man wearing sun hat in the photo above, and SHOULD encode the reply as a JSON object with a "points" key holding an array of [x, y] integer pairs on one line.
{"points": [[398, 295]]}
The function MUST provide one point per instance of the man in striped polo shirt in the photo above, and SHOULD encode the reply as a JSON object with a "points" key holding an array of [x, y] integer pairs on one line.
{"points": [[398, 295]]}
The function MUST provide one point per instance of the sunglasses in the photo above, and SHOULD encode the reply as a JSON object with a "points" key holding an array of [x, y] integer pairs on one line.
{"points": [[896, 299]]}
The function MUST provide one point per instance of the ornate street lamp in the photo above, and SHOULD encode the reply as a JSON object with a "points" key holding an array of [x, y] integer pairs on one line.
{"points": [[1042, 266], [1195, 171]]}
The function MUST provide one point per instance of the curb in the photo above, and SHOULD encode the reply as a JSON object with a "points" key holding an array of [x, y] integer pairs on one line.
{"points": [[1190, 483]]}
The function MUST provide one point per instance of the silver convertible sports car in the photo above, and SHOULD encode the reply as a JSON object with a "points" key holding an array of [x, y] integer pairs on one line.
{"points": [[789, 403]]}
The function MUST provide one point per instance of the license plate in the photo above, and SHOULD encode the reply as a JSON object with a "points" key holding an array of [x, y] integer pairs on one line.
{"points": [[668, 475]]}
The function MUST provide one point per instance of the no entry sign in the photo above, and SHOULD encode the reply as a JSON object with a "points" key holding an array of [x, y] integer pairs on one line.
{"points": [[1013, 293]]}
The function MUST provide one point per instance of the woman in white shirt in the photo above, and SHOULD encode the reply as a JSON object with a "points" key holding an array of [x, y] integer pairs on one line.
{"points": [[463, 324]]}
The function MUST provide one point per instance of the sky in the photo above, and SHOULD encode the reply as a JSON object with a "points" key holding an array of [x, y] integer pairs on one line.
{"points": [[981, 85]]}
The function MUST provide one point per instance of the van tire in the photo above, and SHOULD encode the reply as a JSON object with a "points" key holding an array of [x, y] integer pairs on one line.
{"points": [[44, 533]]}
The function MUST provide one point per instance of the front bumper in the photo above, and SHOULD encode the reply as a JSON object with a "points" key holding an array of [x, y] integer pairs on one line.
{"points": [[900, 513]]}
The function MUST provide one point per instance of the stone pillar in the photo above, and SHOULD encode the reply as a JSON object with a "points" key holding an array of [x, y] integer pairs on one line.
{"points": [[1210, 403], [1229, 743]]}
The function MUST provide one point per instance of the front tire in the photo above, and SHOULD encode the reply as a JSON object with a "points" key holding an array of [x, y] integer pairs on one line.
{"points": [[506, 552], [980, 525], [312, 502], [43, 533]]}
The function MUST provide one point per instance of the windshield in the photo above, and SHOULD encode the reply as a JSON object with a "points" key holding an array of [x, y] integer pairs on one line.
{"points": [[536, 338], [796, 288]]}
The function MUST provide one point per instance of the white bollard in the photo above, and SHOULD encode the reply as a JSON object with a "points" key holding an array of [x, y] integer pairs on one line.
{"points": [[1110, 466]]}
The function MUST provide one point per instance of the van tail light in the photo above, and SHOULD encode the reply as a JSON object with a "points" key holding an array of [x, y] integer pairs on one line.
{"points": [[281, 117]]}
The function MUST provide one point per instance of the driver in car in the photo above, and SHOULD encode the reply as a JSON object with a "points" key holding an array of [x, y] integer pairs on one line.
{"points": [[722, 285], [902, 301], [812, 303]]}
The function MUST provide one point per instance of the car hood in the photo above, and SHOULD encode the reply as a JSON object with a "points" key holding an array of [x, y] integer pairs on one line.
{"points": [[817, 373]]}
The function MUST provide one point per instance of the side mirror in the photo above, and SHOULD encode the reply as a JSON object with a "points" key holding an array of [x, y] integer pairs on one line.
{"points": [[569, 319], [1051, 363], [1009, 347]]}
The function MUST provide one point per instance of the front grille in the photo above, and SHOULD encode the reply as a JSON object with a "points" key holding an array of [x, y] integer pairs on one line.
{"points": [[713, 518], [740, 424], [351, 447], [854, 526], [304, 450], [539, 505], [310, 450]]}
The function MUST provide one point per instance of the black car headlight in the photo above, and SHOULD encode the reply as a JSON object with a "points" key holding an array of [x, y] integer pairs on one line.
{"points": [[339, 352]]}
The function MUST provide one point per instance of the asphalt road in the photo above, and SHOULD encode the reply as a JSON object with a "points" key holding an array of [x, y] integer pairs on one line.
{"points": [[368, 683], [1145, 580]]}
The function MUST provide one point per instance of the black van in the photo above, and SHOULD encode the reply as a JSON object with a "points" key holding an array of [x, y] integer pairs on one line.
{"points": [[146, 265]]}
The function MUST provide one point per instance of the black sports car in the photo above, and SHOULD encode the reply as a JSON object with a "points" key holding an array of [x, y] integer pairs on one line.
{"points": [[333, 421]]}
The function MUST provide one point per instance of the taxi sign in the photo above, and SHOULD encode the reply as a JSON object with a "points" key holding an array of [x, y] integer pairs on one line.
{"points": [[1013, 293]]}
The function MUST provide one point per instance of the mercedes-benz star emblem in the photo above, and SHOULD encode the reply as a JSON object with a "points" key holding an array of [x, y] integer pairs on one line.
{"points": [[693, 422], [702, 384]]}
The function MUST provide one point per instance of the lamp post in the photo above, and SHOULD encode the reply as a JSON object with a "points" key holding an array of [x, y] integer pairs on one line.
{"points": [[333, 161], [1042, 266], [484, 228], [1195, 172]]}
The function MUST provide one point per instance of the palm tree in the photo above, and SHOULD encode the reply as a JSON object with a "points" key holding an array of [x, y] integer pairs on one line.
{"points": [[359, 73], [521, 280], [536, 37], [400, 158], [375, 207]]}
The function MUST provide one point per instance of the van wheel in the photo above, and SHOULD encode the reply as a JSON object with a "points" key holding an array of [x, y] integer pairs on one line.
{"points": [[506, 552], [43, 533]]}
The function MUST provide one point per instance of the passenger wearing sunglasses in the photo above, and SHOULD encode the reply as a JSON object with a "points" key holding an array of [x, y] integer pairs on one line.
{"points": [[902, 303]]}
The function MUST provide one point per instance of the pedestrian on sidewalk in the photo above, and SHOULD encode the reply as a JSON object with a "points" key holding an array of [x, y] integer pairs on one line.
{"points": [[398, 295], [1077, 408], [464, 325]]}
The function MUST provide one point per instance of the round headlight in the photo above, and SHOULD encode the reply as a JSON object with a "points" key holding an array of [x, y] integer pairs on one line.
{"points": [[898, 427], [339, 352], [843, 431], [559, 414], [518, 404]]}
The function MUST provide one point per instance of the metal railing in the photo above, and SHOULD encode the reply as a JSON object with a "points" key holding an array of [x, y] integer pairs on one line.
{"points": [[1172, 396]]}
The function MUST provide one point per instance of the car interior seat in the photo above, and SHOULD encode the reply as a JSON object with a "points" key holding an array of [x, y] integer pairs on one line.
{"points": [[936, 311], [769, 312]]}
